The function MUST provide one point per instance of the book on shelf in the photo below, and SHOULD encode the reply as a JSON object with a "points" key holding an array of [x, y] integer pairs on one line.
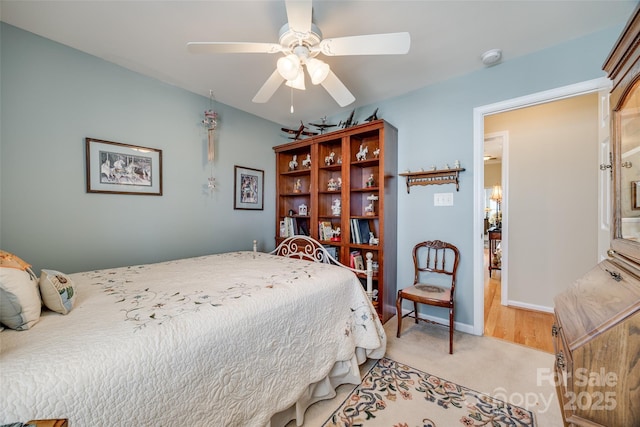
{"points": [[363, 227], [303, 228], [290, 226], [356, 261], [325, 230], [360, 230], [355, 235]]}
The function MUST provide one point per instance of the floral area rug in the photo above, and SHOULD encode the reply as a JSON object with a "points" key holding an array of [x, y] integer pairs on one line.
{"points": [[396, 395]]}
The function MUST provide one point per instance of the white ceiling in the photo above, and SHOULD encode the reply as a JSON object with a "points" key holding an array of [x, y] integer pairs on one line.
{"points": [[447, 39]]}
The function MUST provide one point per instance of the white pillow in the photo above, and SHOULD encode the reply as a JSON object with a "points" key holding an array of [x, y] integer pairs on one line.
{"points": [[20, 302], [57, 290]]}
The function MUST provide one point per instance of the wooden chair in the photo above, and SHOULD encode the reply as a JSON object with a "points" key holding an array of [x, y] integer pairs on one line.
{"points": [[435, 265]]}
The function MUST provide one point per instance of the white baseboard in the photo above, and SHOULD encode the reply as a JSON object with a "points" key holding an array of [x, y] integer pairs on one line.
{"points": [[458, 326], [527, 306]]}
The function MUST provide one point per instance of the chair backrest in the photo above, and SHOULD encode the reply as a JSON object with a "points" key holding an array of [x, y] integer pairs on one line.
{"points": [[437, 257]]}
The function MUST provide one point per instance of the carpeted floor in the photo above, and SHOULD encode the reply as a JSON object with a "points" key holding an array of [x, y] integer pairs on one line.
{"points": [[510, 372]]}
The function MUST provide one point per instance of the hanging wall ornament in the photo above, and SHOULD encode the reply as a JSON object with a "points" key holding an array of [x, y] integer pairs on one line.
{"points": [[211, 122]]}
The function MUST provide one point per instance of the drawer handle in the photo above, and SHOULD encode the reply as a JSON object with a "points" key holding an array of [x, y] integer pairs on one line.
{"points": [[616, 276], [555, 329], [560, 360]]}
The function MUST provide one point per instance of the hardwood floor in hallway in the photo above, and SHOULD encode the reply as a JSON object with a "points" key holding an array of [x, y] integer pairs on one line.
{"points": [[521, 326]]}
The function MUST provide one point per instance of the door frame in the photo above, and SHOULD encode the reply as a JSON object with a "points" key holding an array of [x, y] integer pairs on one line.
{"points": [[479, 114]]}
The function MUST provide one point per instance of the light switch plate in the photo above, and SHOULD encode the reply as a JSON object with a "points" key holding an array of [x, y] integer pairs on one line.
{"points": [[443, 199]]}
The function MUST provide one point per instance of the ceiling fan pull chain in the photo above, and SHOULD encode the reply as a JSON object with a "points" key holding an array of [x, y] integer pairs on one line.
{"points": [[291, 100]]}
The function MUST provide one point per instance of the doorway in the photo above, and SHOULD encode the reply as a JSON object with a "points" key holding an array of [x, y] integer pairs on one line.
{"points": [[532, 236]]}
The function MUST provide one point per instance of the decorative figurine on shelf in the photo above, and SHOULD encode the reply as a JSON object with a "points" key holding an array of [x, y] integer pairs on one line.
{"points": [[307, 162], [339, 160], [362, 154], [433, 167], [446, 166], [293, 164], [369, 210], [373, 241], [328, 160], [335, 235], [297, 187], [370, 182], [376, 152], [336, 209], [339, 183], [456, 164], [332, 185], [302, 210]]}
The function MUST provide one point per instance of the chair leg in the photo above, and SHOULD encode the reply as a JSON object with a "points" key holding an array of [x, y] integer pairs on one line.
{"points": [[415, 311], [399, 314], [451, 330]]}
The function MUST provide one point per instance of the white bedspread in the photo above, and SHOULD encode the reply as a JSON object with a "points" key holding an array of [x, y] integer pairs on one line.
{"points": [[220, 340]]}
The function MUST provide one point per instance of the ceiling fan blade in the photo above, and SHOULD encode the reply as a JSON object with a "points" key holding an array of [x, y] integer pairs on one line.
{"points": [[268, 88], [373, 44], [233, 47], [337, 90], [299, 15]]}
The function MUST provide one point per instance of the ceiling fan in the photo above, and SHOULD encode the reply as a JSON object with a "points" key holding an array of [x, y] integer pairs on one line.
{"points": [[301, 42]]}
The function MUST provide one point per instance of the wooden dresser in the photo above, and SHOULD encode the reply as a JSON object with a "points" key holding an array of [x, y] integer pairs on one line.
{"points": [[597, 320], [597, 346]]}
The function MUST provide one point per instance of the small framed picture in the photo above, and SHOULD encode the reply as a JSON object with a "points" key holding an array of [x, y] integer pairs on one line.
{"points": [[113, 167], [248, 188]]}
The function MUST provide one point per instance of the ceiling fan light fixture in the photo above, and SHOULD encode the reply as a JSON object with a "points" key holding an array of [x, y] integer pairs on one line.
{"points": [[289, 67], [297, 83], [318, 70]]}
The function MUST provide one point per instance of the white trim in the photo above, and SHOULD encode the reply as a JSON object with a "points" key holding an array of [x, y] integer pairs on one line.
{"points": [[527, 306], [457, 326], [589, 86]]}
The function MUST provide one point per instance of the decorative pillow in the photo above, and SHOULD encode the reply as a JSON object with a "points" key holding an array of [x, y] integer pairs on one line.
{"points": [[20, 302], [57, 290]]}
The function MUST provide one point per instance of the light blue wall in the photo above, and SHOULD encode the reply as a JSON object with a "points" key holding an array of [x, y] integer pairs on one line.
{"points": [[435, 126], [52, 97]]}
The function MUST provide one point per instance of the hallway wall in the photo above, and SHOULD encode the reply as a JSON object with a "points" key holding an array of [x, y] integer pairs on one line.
{"points": [[551, 201]]}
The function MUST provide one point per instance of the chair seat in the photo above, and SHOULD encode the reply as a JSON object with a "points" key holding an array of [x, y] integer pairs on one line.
{"points": [[425, 291]]}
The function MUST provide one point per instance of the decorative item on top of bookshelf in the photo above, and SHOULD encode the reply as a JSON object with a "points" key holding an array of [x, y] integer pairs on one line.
{"points": [[118, 168], [248, 188]]}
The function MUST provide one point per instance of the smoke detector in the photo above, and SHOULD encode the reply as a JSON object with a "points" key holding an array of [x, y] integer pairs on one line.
{"points": [[491, 57]]}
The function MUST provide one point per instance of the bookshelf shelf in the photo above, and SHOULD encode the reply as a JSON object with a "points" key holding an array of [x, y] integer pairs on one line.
{"points": [[360, 187]]}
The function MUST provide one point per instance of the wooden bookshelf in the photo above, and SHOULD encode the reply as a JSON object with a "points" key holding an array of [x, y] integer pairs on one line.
{"points": [[365, 187]]}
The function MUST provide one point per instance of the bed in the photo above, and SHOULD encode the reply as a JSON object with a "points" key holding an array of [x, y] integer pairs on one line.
{"points": [[232, 339]]}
